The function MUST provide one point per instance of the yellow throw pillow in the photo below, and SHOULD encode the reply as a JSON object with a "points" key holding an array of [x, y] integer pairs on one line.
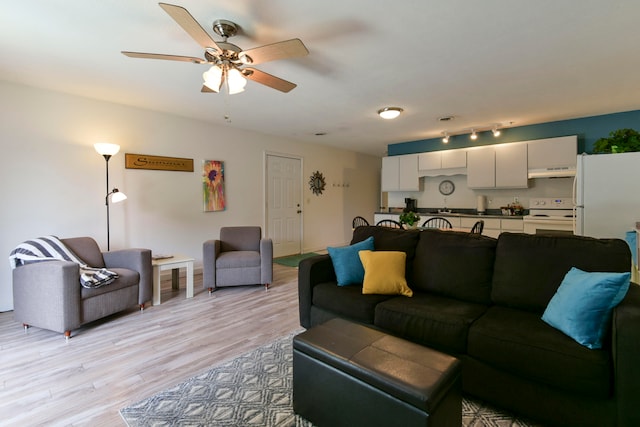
{"points": [[384, 273]]}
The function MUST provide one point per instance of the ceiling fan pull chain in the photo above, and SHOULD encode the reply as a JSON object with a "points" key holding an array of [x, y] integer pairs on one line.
{"points": [[227, 108]]}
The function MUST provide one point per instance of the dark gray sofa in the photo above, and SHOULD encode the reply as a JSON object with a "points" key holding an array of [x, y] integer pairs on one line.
{"points": [[481, 299]]}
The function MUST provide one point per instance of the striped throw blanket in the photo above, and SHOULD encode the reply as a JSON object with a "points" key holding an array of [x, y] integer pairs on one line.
{"points": [[49, 248]]}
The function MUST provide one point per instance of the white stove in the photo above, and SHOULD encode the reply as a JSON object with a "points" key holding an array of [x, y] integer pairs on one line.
{"points": [[549, 215]]}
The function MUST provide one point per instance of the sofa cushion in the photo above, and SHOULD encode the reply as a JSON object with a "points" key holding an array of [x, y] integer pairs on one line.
{"points": [[435, 321], [347, 264], [238, 259], [125, 279], [530, 267], [520, 343], [457, 265], [582, 306], [391, 239], [384, 273], [347, 301], [86, 249]]}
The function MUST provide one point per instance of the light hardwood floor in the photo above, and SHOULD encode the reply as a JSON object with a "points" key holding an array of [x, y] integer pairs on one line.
{"points": [[112, 363]]}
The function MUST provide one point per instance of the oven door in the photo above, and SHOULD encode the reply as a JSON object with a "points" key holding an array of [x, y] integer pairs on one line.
{"points": [[548, 225]]}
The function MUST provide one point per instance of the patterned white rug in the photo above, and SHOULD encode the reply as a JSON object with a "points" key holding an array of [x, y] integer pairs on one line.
{"points": [[254, 389]]}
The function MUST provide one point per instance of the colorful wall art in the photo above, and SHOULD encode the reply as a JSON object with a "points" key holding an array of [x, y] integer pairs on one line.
{"points": [[213, 185]]}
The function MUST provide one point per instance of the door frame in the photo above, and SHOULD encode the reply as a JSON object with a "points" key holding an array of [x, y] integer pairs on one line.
{"points": [[265, 192]]}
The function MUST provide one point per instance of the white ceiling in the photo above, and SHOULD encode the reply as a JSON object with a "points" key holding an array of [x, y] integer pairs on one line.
{"points": [[484, 62]]}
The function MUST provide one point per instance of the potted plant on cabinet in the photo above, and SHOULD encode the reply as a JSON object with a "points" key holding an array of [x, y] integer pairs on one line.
{"points": [[410, 218], [619, 141]]}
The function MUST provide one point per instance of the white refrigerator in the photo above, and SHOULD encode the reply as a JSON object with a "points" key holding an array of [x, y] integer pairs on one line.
{"points": [[607, 194]]}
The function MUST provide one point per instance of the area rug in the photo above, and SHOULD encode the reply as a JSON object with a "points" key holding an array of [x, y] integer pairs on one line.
{"points": [[293, 260], [254, 389]]}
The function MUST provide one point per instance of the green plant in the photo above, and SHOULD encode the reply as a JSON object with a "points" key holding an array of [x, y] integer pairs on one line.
{"points": [[409, 218], [619, 141]]}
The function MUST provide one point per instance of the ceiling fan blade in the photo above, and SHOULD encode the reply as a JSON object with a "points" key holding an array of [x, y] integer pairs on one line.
{"points": [[207, 89], [281, 50], [268, 80], [166, 57], [190, 25]]}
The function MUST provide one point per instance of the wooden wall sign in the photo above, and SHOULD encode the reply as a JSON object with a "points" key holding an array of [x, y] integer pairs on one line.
{"points": [[144, 161]]}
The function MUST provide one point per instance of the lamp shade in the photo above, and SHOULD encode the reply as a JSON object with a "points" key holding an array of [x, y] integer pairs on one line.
{"points": [[117, 196], [106, 149], [213, 78], [236, 81]]}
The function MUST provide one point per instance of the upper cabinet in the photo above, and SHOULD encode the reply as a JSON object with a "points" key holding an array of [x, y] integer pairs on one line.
{"points": [[497, 166], [400, 173], [552, 157], [445, 162]]}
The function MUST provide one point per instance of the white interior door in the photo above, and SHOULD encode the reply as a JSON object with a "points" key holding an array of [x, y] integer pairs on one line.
{"points": [[284, 204]]}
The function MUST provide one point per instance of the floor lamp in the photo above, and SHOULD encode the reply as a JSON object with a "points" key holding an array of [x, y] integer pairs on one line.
{"points": [[107, 150]]}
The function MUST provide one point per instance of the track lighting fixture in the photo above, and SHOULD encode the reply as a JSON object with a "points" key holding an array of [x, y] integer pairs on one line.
{"points": [[473, 132]]}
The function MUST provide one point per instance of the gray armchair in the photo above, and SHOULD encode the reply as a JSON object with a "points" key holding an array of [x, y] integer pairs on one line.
{"points": [[240, 257], [48, 294]]}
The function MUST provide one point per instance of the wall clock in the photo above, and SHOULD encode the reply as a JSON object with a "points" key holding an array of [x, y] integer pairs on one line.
{"points": [[316, 183], [446, 187]]}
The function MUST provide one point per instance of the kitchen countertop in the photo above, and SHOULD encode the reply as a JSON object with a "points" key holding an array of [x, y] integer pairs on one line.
{"points": [[469, 213]]}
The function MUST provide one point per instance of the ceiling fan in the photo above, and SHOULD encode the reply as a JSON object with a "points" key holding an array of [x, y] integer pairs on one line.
{"points": [[229, 63]]}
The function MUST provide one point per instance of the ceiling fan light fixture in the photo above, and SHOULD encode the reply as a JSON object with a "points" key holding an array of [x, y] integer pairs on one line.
{"points": [[213, 78], [389, 113]]}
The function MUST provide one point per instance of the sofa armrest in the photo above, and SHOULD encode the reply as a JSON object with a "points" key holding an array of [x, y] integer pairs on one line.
{"points": [[47, 295], [266, 261], [210, 251], [626, 357], [312, 271], [137, 260]]}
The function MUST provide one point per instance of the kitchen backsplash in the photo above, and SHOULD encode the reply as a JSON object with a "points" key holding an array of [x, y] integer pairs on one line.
{"points": [[465, 198]]}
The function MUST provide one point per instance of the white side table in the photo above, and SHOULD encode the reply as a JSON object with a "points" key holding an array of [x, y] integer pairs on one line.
{"points": [[174, 263]]}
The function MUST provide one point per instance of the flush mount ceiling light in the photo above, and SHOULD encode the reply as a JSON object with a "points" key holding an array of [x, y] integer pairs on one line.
{"points": [[390, 112]]}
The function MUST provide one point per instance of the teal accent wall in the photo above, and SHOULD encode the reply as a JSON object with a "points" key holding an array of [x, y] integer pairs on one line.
{"points": [[588, 129]]}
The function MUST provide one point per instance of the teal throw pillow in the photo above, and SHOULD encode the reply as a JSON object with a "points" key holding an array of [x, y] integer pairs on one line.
{"points": [[347, 264], [582, 305]]}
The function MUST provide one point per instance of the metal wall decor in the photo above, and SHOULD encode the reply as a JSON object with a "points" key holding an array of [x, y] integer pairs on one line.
{"points": [[317, 183]]}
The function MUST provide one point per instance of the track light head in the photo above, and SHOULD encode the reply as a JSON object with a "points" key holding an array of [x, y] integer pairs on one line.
{"points": [[496, 131], [446, 137], [474, 135]]}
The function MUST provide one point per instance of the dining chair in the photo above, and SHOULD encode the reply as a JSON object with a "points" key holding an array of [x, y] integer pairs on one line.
{"points": [[359, 222], [437, 222], [389, 223], [477, 227]]}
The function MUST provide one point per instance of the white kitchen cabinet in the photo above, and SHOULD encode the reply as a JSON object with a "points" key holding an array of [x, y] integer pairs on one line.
{"points": [[481, 167], [552, 156], [400, 173], [445, 162], [511, 165], [497, 166], [512, 225]]}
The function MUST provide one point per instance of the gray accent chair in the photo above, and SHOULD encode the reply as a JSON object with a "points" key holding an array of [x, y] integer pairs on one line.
{"points": [[240, 257], [48, 294]]}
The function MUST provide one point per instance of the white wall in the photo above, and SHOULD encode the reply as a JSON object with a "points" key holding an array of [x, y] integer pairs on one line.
{"points": [[53, 181]]}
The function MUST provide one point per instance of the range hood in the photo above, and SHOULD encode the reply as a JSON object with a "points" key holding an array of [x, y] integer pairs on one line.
{"points": [[555, 172]]}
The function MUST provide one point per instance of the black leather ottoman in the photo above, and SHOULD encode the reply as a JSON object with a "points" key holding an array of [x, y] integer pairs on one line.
{"points": [[346, 374]]}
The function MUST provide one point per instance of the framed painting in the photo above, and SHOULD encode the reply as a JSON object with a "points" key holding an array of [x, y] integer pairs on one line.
{"points": [[213, 185]]}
